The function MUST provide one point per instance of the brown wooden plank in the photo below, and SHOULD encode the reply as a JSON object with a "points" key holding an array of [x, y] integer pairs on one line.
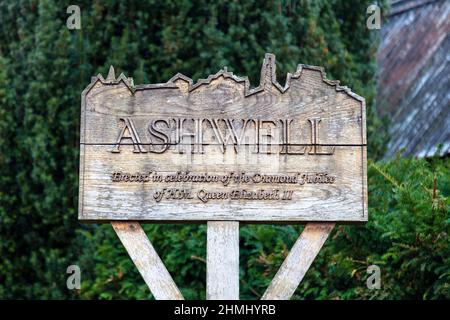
{"points": [[298, 261], [147, 261], [222, 272], [310, 127], [136, 200]]}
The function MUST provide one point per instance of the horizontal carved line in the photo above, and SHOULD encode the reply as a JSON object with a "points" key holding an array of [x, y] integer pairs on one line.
{"points": [[226, 144]]}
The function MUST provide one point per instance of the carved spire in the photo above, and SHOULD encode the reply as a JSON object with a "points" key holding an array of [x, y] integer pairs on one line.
{"points": [[111, 74], [268, 71]]}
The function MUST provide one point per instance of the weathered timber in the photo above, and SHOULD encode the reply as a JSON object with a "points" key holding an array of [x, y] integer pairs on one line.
{"points": [[218, 150], [222, 269], [147, 261], [298, 261]]}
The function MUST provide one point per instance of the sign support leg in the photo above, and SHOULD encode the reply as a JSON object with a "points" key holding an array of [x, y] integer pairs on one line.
{"points": [[222, 270], [146, 259], [298, 261]]}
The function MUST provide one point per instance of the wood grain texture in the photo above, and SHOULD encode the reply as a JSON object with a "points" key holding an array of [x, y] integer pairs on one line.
{"points": [[222, 270], [134, 200], [306, 95], [147, 261], [298, 261]]}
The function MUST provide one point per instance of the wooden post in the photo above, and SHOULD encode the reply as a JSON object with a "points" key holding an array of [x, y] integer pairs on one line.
{"points": [[298, 261], [147, 261], [222, 270]]}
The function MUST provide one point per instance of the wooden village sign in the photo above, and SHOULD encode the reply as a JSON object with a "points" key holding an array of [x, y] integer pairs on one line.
{"points": [[221, 152]]}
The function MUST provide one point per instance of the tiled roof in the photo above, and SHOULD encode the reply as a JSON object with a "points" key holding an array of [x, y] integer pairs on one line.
{"points": [[414, 77]]}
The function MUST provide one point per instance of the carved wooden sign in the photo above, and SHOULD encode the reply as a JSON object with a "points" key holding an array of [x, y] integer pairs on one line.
{"points": [[220, 150]]}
